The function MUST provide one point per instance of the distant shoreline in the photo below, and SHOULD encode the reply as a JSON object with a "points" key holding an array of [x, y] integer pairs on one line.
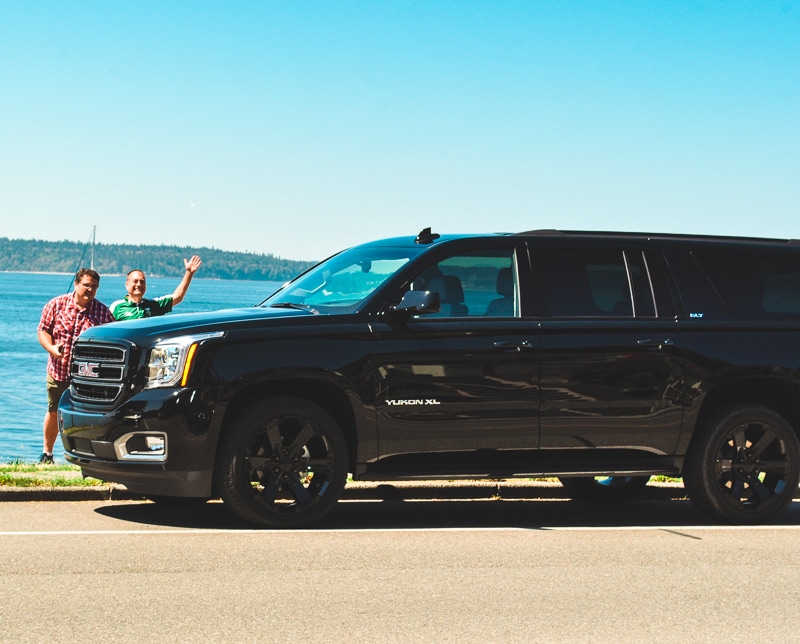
{"points": [[149, 275], [37, 272], [59, 258]]}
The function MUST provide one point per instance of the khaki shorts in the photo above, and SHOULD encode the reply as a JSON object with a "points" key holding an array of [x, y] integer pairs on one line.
{"points": [[54, 391]]}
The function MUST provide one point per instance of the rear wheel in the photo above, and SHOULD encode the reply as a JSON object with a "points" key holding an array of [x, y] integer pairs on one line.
{"points": [[743, 465], [283, 464], [605, 489]]}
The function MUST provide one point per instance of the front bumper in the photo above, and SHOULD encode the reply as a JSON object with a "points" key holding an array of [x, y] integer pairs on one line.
{"points": [[156, 443]]}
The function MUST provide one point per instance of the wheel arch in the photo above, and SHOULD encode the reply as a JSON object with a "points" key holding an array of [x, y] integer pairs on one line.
{"points": [[778, 394], [335, 398]]}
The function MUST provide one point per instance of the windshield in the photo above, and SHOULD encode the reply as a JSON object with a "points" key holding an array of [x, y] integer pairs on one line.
{"points": [[340, 284]]}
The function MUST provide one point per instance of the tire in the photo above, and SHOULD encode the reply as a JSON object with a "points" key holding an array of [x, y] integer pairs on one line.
{"points": [[282, 464], [604, 489], [743, 466]]}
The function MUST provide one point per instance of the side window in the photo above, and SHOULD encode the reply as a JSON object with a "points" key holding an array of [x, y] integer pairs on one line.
{"points": [[782, 293], [699, 298], [754, 284], [590, 282], [581, 282], [477, 283]]}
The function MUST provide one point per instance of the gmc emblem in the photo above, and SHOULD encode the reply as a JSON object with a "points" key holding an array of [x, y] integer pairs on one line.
{"points": [[88, 369]]}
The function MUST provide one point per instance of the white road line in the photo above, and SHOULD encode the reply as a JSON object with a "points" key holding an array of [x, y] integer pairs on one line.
{"points": [[232, 531]]}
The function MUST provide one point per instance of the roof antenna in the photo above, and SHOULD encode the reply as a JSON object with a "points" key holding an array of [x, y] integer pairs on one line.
{"points": [[426, 236]]}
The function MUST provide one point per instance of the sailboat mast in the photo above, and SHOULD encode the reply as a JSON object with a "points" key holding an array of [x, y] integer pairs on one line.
{"points": [[83, 254]]}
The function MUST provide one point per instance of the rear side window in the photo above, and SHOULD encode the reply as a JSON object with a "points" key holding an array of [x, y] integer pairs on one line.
{"points": [[589, 282], [754, 284]]}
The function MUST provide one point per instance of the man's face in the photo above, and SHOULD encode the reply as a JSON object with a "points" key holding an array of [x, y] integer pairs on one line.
{"points": [[136, 285], [85, 290]]}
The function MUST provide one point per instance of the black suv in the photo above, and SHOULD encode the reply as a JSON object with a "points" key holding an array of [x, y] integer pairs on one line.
{"points": [[597, 358]]}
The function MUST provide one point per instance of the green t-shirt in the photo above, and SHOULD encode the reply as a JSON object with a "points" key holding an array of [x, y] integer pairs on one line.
{"points": [[125, 309]]}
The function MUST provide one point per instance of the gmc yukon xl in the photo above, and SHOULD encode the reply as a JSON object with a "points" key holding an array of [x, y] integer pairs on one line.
{"points": [[598, 358]]}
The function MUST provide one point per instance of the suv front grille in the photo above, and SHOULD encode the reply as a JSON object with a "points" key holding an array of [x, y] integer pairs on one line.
{"points": [[94, 352], [98, 372]]}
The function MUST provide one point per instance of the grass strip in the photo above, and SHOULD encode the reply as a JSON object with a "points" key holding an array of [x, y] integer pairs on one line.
{"points": [[54, 481], [20, 474]]}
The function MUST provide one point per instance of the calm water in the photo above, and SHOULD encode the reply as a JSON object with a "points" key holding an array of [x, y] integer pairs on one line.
{"points": [[23, 362]]}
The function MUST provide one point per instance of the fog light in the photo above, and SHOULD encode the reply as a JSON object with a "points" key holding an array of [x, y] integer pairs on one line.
{"points": [[155, 443], [141, 446]]}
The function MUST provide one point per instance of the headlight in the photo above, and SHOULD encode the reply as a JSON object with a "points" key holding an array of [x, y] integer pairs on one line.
{"points": [[169, 361]]}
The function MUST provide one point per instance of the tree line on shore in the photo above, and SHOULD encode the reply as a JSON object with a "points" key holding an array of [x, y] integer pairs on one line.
{"points": [[31, 255]]}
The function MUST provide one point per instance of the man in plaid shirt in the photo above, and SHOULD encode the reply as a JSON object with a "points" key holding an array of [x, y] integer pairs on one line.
{"points": [[64, 318]]}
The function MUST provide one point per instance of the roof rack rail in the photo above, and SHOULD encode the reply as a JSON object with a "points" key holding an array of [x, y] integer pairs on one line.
{"points": [[651, 235]]}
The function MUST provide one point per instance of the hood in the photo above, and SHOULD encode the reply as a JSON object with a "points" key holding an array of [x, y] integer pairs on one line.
{"points": [[147, 330]]}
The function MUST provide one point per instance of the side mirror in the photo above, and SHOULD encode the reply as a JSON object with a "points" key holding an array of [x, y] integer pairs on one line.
{"points": [[419, 303]]}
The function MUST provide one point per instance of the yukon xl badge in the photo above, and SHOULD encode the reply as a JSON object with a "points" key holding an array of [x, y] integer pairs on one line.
{"points": [[88, 369], [412, 402]]}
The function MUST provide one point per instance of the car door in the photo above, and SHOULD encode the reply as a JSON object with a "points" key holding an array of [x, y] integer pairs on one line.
{"points": [[610, 377], [465, 379]]}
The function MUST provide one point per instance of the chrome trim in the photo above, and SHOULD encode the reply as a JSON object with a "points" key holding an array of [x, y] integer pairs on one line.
{"points": [[121, 450]]}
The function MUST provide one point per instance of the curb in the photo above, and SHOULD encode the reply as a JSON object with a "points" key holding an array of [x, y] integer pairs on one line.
{"points": [[67, 493]]}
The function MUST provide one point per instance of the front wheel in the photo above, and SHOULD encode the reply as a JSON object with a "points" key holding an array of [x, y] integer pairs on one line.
{"points": [[282, 464], [743, 466], [604, 489]]}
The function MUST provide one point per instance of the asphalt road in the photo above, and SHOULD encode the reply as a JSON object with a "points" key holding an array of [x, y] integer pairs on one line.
{"points": [[396, 571]]}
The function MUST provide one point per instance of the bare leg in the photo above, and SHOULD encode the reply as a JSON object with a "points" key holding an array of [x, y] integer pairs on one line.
{"points": [[50, 430]]}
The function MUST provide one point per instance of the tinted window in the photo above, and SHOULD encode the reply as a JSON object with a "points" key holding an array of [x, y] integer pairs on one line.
{"points": [[699, 298], [754, 284], [470, 284], [590, 282], [584, 282]]}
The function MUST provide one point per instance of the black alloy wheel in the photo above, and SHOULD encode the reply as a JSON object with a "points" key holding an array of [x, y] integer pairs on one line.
{"points": [[283, 464], [743, 466]]}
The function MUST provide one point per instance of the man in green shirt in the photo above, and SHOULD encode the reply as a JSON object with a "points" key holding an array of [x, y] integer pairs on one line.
{"points": [[134, 305]]}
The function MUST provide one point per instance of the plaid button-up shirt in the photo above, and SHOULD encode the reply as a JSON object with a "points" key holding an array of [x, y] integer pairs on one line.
{"points": [[64, 321]]}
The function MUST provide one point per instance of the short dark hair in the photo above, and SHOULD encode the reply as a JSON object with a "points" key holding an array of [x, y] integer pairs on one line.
{"points": [[134, 270], [87, 271]]}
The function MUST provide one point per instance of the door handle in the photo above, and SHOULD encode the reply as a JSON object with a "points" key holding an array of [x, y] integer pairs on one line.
{"points": [[514, 346], [655, 344]]}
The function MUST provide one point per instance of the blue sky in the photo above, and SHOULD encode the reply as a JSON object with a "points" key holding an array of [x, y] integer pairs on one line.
{"points": [[299, 128]]}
